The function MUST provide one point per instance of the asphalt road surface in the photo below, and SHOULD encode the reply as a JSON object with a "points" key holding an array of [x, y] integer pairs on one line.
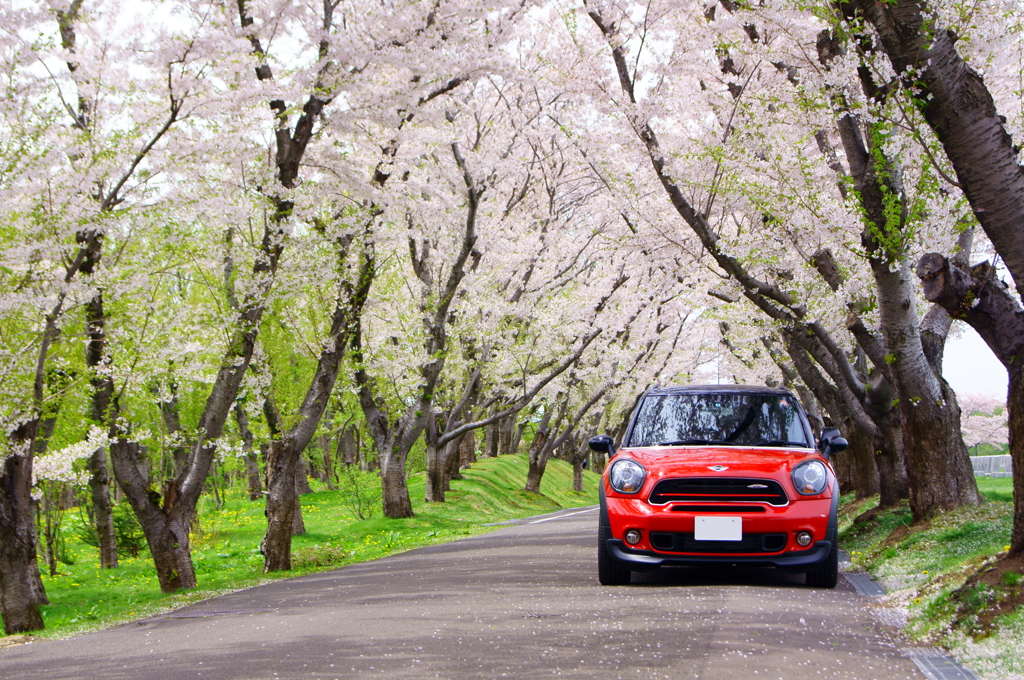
{"points": [[521, 602]]}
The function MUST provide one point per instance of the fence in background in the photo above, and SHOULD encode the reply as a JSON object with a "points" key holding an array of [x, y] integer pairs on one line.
{"points": [[992, 466]]}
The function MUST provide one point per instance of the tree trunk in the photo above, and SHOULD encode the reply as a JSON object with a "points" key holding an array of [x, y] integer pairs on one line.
{"points": [[99, 493], [517, 435], [349, 447], [288, 469], [577, 472], [435, 487], [301, 487], [100, 412], [395, 490], [491, 440], [1015, 407], [453, 460], [506, 435], [939, 471], [893, 485], [252, 466], [281, 500], [539, 452], [21, 590], [254, 481], [170, 412], [467, 452], [167, 528], [328, 476], [302, 476]]}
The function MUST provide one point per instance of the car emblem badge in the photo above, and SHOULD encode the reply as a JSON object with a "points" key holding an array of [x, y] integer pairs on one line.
{"points": [[757, 486], [718, 468]]}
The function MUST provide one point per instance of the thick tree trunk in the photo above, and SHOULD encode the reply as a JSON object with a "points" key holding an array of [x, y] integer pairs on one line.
{"points": [[301, 488], [939, 471], [281, 500], [21, 590], [166, 528], [288, 470]]}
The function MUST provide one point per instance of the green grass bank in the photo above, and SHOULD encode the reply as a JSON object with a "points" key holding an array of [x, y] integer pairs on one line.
{"points": [[226, 541], [949, 576]]}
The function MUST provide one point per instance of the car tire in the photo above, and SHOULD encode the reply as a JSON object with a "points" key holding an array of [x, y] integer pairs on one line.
{"points": [[608, 572], [827, 575]]}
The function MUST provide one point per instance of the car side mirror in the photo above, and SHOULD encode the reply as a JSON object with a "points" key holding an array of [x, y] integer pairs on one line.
{"points": [[602, 443], [830, 442]]}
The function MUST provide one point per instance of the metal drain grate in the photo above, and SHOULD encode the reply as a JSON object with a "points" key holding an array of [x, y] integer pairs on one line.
{"points": [[865, 585], [938, 666]]}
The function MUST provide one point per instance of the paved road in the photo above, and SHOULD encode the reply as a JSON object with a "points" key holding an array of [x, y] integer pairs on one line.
{"points": [[522, 602]]}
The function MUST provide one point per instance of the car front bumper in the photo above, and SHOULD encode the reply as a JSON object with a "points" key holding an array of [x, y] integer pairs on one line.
{"points": [[647, 560]]}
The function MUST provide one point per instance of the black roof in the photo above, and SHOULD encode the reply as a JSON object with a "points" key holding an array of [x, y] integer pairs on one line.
{"points": [[727, 389]]}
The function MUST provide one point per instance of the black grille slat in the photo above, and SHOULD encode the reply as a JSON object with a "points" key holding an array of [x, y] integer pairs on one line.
{"points": [[717, 508], [719, 490], [750, 543]]}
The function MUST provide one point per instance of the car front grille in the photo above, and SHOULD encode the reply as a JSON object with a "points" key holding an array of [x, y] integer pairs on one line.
{"points": [[751, 543], [719, 490]]}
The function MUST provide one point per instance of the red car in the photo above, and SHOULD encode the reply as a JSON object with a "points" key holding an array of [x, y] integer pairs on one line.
{"points": [[719, 474]]}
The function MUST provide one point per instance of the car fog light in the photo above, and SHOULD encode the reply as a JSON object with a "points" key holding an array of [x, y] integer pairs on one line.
{"points": [[803, 538], [632, 536]]}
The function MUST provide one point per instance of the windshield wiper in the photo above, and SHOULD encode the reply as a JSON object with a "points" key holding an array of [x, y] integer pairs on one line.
{"points": [[781, 442], [685, 442]]}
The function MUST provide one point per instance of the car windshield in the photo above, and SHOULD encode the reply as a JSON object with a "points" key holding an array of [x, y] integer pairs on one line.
{"points": [[719, 418]]}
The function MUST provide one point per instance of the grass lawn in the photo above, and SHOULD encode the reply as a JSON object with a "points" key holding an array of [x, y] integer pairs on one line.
{"points": [[226, 543]]}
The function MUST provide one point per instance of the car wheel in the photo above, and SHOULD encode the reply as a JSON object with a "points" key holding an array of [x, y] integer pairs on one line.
{"points": [[827, 575], [608, 572]]}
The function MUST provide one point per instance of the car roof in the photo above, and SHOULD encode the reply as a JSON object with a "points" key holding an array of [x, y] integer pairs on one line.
{"points": [[726, 389]]}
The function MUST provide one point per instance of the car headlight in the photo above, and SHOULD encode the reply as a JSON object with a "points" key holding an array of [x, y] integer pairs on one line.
{"points": [[627, 476], [810, 478]]}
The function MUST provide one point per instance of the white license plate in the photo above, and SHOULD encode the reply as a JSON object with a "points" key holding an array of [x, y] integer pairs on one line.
{"points": [[718, 528]]}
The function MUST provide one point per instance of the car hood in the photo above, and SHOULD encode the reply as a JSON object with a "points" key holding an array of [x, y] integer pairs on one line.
{"points": [[679, 461]]}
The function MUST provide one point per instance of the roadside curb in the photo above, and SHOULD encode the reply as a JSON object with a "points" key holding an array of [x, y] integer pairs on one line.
{"points": [[933, 663], [545, 517]]}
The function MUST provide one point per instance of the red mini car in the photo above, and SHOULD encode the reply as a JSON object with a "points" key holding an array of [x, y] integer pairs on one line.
{"points": [[719, 474]]}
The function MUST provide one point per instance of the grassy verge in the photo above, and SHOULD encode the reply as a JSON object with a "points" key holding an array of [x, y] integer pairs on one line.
{"points": [[226, 546], [950, 574]]}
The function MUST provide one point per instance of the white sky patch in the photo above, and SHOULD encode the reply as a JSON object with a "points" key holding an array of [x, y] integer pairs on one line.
{"points": [[970, 367]]}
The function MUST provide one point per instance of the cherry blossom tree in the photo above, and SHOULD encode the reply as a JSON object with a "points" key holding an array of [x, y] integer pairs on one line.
{"points": [[103, 160]]}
